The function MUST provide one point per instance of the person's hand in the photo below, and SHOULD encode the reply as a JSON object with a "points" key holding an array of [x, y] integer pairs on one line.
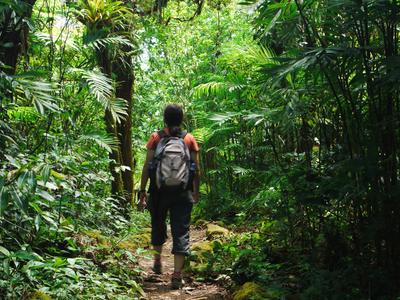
{"points": [[142, 200], [195, 196]]}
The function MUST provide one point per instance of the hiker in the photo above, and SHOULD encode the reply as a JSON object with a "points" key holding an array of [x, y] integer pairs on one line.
{"points": [[172, 164]]}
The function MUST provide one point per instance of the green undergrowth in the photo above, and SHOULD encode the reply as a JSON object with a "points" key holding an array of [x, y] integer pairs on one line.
{"points": [[239, 261], [253, 263], [86, 264]]}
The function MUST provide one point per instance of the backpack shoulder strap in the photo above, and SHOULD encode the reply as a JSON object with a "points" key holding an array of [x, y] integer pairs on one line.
{"points": [[187, 151], [164, 138], [162, 133], [183, 134]]}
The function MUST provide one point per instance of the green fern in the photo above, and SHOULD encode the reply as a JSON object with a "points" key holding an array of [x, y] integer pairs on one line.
{"points": [[40, 94], [250, 56], [100, 43], [101, 87], [102, 140]]}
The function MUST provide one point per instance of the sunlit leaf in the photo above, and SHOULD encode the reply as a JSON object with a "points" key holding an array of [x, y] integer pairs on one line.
{"points": [[45, 195], [4, 251]]}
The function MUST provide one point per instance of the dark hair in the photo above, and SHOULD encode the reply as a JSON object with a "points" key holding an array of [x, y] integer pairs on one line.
{"points": [[173, 117]]}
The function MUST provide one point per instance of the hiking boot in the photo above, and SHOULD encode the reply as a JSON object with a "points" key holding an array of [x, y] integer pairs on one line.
{"points": [[157, 268], [176, 281]]}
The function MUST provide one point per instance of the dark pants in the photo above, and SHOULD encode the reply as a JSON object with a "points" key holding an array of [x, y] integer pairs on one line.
{"points": [[179, 207]]}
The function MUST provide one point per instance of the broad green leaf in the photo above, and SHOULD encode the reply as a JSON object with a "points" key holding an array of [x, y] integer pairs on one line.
{"points": [[13, 161], [36, 207], [6, 266], [59, 261], [45, 173], [70, 273], [25, 255], [57, 175], [51, 219], [34, 264], [49, 185], [4, 251], [20, 201], [4, 198], [37, 222], [45, 195], [22, 178], [31, 180]]}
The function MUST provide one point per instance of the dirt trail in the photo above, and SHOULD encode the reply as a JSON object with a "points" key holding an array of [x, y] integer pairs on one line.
{"points": [[157, 287]]}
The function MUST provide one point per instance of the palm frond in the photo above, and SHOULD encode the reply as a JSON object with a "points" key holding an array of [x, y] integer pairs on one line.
{"points": [[240, 171], [101, 139], [201, 134], [211, 88], [101, 87], [250, 56], [100, 43], [245, 58], [222, 118], [43, 38], [220, 88], [40, 94]]}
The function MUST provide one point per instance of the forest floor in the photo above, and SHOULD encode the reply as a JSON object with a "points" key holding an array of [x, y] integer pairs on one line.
{"points": [[157, 287]]}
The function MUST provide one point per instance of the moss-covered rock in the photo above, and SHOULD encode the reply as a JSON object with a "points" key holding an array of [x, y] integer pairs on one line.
{"points": [[214, 231], [39, 295], [249, 290], [201, 252], [254, 291], [200, 256], [220, 223], [203, 246], [100, 239], [133, 242]]}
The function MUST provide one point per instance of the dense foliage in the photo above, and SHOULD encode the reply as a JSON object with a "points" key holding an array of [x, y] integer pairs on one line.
{"points": [[295, 105], [311, 138]]}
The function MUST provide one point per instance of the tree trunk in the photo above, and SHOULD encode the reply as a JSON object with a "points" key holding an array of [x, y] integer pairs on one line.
{"points": [[11, 34], [117, 186], [125, 79], [114, 156]]}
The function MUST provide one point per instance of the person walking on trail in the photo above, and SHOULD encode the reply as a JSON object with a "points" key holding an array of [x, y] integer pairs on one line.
{"points": [[172, 165]]}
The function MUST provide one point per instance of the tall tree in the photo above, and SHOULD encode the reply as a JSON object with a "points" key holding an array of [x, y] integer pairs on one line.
{"points": [[109, 28]]}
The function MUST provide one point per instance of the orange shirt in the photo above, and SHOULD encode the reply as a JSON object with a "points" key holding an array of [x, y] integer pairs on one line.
{"points": [[189, 140]]}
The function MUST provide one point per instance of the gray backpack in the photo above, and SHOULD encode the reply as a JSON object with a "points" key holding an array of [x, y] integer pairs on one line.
{"points": [[172, 163]]}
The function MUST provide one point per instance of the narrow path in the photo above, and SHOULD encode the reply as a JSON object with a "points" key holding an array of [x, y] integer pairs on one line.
{"points": [[157, 287]]}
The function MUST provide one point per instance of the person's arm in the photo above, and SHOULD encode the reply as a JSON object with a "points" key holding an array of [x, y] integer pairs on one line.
{"points": [[196, 179], [145, 178]]}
